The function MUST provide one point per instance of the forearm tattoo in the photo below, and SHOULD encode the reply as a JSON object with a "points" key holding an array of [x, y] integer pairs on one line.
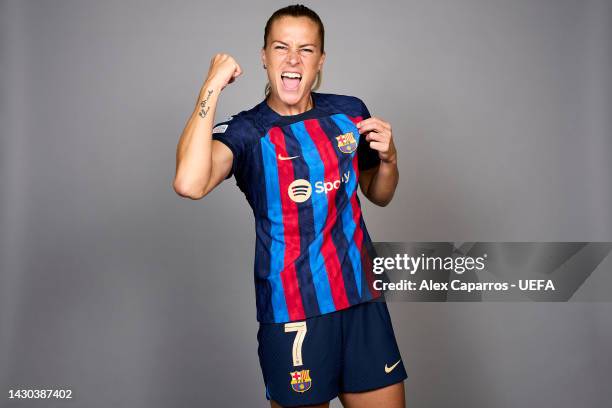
{"points": [[203, 108]]}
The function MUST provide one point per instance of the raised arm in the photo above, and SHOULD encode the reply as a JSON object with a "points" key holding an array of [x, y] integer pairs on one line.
{"points": [[203, 163]]}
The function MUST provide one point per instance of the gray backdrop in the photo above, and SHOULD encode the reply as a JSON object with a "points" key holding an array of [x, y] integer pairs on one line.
{"points": [[115, 287]]}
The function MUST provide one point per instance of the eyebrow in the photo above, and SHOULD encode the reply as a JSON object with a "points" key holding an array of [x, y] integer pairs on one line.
{"points": [[303, 45]]}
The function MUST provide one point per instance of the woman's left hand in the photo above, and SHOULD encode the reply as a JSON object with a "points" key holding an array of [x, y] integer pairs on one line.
{"points": [[379, 134]]}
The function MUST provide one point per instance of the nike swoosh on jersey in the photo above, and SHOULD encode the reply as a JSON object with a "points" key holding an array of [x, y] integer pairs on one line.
{"points": [[389, 369], [287, 158]]}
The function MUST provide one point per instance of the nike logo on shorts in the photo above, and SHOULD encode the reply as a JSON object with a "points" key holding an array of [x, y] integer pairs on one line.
{"points": [[389, 369]]}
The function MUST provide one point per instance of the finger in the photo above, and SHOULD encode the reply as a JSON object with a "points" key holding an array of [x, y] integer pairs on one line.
{"points": [[374, 119], [238, 71], [364, 122], [370, 127], [382, 123], [379, 146], [378, 137]]}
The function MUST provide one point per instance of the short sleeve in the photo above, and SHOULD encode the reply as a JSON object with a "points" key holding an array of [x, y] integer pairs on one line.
{"points": [[231, 134], [367, 157]]}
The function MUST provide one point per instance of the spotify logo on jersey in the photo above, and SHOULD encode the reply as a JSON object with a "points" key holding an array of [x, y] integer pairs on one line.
{"points": [[300, 190]]}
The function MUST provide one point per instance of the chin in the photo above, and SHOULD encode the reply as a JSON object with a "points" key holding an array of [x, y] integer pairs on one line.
{"points": [[290, 97]]}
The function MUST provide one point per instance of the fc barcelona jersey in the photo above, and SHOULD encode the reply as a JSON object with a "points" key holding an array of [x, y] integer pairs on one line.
{"points": [[299, 173]]}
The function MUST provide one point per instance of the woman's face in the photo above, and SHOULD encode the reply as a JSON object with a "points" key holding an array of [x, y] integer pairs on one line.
{"points": [[293, 58]]}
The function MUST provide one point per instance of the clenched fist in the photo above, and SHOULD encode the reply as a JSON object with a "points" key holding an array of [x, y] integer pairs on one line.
{"points": [[223, 70]]}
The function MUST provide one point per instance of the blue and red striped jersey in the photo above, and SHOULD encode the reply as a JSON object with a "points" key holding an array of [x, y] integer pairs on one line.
{"points": [[299, 173]]}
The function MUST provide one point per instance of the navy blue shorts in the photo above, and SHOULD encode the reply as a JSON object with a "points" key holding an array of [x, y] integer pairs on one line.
{"points": [[311, 361]]}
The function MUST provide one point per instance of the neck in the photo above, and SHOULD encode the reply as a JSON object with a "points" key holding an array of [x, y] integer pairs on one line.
{"points": [[283, 109]]}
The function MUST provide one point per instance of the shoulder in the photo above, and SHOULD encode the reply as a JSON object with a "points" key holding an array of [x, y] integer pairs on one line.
{"points": [[248, 121], [348, 104], [234, 125], [233, 121]]}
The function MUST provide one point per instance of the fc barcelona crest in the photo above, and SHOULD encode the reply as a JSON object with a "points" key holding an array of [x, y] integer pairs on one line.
{"points": [[300, 380], [347, 142]]}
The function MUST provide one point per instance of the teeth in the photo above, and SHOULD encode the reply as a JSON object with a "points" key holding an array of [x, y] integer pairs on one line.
{"points": [[291, 75]]}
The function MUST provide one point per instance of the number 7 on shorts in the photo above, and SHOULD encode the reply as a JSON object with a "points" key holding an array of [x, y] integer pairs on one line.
{"points": [[300, 328]]}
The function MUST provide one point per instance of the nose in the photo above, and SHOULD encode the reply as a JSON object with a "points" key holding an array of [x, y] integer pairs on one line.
{"points": [[293, 56]]}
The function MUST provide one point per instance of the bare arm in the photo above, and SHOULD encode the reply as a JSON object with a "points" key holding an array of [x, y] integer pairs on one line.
{"points": [[203, 163], [379, 183]]}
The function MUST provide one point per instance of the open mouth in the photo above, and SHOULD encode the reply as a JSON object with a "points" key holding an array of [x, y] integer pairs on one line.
{"points": [[291, 80]]}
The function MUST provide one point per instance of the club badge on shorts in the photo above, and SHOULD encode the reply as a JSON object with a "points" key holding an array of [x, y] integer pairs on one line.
{"points": [[346, 142], [300, 380]]}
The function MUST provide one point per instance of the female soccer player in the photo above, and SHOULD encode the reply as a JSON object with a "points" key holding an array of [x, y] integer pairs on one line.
{"points": [[298, 157]]}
